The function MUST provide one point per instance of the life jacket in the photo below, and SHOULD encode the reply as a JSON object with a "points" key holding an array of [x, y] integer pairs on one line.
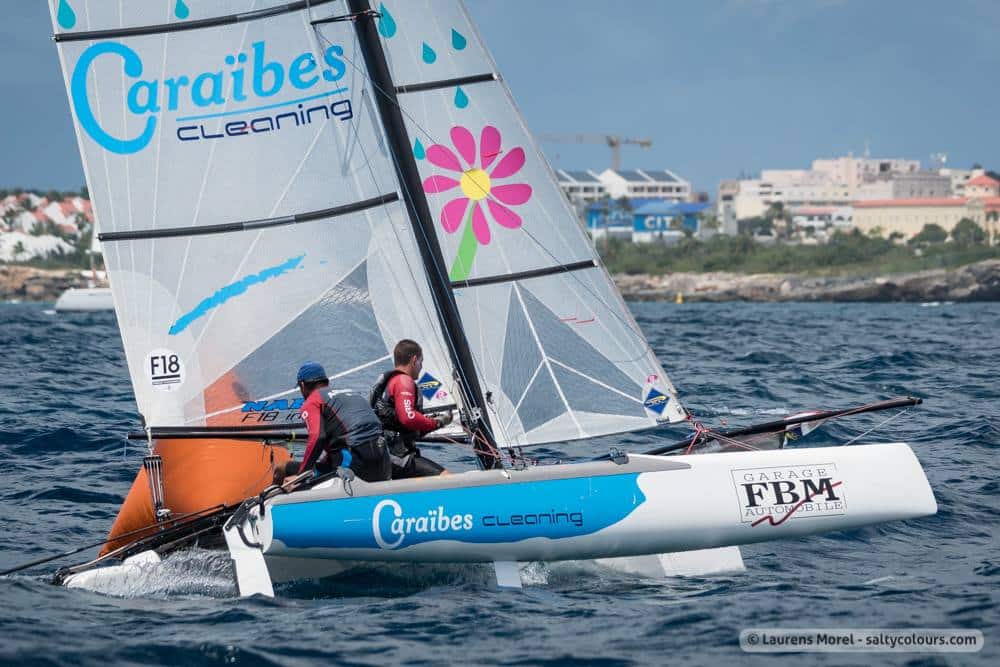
{"points": [[385, 410]]}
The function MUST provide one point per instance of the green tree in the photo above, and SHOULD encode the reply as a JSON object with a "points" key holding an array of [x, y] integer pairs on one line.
{"points": [[967, 232], [752, 226], [19, 250], [931, 233], [624, 203], [709, 221]]}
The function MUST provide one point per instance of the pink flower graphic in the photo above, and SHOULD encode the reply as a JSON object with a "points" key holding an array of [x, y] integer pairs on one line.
{"points": [[478, 187]]}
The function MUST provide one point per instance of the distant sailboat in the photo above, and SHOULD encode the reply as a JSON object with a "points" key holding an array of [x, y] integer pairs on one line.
{"points": [[282, 181], [92, 297]]}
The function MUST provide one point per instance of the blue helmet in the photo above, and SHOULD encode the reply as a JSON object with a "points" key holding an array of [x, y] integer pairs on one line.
{"points": [[310, 371]]}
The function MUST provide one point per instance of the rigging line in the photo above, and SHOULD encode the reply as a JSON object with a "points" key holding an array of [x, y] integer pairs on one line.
{"points": [[274, 208], [419, 210], [465, 384], [436, 269], [388, 218], [42, 561], [371, 171], [156, 182], [446, 336], [107, 169], [877, 426], [197, 208], [133, 315]]}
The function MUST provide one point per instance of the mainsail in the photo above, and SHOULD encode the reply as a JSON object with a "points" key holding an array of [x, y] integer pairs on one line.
{"points": [[257, 211], [249, 212]]}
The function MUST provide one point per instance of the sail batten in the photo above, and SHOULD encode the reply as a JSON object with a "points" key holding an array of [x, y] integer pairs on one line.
{"points": [[196, 24], [448, 83], [250, 225], [524, 275]]}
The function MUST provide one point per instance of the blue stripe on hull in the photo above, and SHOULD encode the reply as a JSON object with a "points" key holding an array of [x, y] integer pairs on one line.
{"points": [[496, 514]]}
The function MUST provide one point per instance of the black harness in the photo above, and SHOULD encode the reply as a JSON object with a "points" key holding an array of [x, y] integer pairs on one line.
{"points": [[399, 439]]}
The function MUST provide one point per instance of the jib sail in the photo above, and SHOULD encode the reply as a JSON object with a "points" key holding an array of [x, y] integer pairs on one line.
{"points": [[556, 350]]}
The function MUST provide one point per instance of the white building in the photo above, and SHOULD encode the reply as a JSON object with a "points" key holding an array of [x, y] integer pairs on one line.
{"points": [[916, 185], [639, 183], [19, 247], [582, 186], [726, 208], [834, 182], [852, 171]]}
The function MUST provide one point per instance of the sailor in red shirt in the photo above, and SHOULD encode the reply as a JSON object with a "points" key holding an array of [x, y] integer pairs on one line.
{"points": [[399, 405]]}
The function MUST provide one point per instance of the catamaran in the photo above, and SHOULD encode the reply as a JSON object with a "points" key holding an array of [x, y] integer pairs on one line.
{"points": [[285, 181]]}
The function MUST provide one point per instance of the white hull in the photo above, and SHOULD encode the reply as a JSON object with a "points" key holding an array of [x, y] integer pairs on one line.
{"points": [[85, 299], [649, 505]]}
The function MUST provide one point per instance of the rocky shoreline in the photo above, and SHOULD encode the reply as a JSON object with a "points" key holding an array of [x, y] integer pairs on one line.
{"points": [[975, 282], [23, 283]]}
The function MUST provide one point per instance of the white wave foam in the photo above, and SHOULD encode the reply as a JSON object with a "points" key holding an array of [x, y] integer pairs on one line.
{"points": [[189, 572]]}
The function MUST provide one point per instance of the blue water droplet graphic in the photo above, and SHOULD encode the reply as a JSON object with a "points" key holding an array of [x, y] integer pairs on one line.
{"points": [[429, 55], [458, 40], [386, 24], [418, 150], [65, 15], [461, 99], [181, 10]]}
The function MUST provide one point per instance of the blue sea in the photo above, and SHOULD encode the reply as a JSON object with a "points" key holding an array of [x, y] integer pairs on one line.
{"points": [[66, 403]]}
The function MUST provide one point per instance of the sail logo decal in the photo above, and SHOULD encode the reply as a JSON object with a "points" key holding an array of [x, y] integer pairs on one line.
{"points": [[437, 520], [278, 404], [428, 385], [271, 410], [232, 291], [164, 370], [496, 514], [656, 401], [772, 496], [246, 78]]}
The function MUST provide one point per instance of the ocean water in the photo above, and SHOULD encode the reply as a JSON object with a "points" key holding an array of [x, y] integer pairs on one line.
{"points": [[66, 402]]}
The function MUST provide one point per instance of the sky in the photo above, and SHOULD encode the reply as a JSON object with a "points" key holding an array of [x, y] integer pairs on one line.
{"points": [[723, 88]]}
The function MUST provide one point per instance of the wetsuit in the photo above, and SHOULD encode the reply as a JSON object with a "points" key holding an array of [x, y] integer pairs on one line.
{"points": [[343, 430], [399, 406]]}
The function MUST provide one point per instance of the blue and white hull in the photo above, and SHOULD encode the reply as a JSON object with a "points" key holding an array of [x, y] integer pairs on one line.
{"points": [[598, 510]]}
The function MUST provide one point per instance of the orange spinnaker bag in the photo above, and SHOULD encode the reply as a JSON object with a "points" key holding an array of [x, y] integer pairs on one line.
{"points": [[197, 475], [200, 474]]}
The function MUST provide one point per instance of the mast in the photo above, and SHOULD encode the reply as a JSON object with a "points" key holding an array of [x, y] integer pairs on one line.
{"points": [[423, 223]]}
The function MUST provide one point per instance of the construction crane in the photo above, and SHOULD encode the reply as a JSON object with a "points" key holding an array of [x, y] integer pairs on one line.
{"points": [[612, 141]]}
